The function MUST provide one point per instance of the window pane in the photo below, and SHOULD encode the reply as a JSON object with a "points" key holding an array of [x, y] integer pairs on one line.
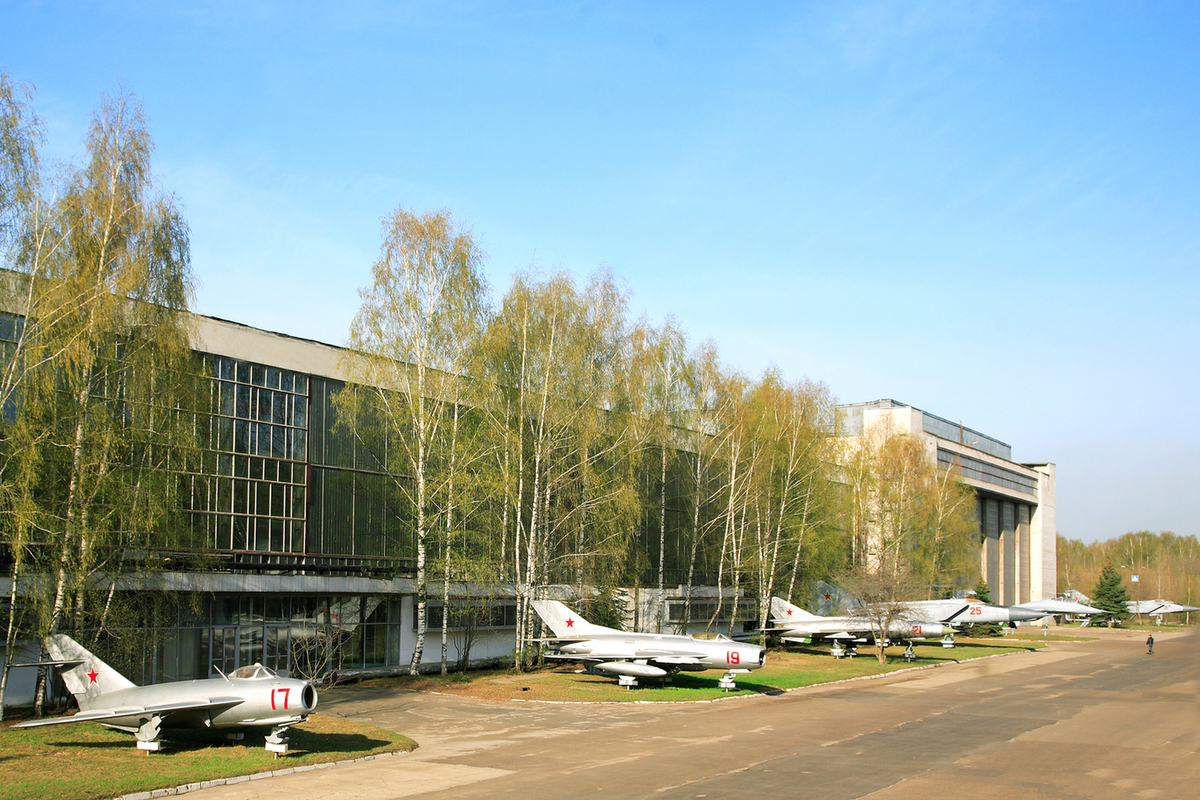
{"points": [[301, 416], [243, 401], [224, 433]]}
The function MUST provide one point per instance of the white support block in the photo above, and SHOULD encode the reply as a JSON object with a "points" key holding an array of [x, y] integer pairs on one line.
{"points": [[149, 747], [628, 681], [278, 749]]}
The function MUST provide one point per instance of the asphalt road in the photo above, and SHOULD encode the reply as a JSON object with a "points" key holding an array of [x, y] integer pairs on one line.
{"points": [[1094, 720]]}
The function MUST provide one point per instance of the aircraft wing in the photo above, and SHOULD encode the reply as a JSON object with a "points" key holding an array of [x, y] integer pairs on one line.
{"points": [[161, 709], [676, 660]]}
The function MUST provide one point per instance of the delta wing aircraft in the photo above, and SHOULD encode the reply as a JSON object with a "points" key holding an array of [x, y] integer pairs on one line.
{"points": [[798, 625], [248, 696], [642, 655]]}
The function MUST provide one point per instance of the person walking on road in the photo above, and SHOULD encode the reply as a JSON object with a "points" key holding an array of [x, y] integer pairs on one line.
{"points": [[1150, 644]]}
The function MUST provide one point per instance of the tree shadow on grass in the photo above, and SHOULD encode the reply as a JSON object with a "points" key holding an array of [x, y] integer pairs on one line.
{"points": [[93, 745]]}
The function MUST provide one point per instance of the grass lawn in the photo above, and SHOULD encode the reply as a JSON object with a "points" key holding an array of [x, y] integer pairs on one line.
{"points": [[785, 669], [84, 761]]}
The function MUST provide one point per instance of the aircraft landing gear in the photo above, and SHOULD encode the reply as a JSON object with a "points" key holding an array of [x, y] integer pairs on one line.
{"points": [[276, 742], [147, 735], [948, 640], [727, 681]]}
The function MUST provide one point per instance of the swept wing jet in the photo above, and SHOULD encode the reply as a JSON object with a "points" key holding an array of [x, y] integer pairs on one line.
{"points": [[798, 625], [1051, 606], [249, 696], [1156, 608], [641, 655], [965, 611]]}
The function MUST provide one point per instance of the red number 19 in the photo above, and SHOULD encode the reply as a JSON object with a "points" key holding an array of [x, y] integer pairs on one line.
{"points": [[733, 657]]}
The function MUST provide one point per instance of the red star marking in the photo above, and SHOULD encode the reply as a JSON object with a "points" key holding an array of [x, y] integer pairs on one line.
{"points": [[92, 676], [789, 612], [828, 595], [570, 623]]}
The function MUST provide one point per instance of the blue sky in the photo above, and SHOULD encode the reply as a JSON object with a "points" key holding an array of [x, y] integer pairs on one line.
{"points": [[990, 211]]}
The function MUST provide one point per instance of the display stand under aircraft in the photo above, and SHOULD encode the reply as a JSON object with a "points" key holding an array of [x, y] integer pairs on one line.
{"points": [[251, 696], [632, 655]]}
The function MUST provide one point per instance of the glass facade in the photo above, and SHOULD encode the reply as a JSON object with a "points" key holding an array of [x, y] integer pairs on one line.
{"points": [[281, 477], [251, 494], [980, 470], [293, 634], [955, 432]]}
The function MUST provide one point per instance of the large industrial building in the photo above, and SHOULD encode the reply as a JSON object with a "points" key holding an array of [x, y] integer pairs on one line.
{"points": [[1018, 557]]}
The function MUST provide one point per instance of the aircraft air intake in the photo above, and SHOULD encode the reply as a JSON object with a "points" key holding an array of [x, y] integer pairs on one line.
{"points": [[309, 697]]}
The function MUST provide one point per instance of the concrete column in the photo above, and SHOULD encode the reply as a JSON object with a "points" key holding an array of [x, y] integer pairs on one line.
{"points": [[1043, 537], [991, 545], [1023, 540], [1008, 532]]}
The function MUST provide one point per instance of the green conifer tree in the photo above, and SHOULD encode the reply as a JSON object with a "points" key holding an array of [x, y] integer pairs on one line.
{"points": [[1111, 595]]}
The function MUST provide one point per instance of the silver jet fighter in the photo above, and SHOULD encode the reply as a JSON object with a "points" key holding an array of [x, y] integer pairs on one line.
{"points": [[965, 611], [249, 696], [1156, 608], [1049, 607], [798, 625], [643, 655]]}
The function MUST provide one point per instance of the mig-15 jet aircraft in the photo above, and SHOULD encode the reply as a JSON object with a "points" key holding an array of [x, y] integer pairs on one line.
{"points": [[642, 655], [248, 696]]}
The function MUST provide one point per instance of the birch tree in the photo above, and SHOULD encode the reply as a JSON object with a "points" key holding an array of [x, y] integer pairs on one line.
{"points": [[103, 418], [407, 356]]}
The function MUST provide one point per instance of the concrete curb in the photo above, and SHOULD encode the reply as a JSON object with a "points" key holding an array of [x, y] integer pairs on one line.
{"points": [[191, 787]]}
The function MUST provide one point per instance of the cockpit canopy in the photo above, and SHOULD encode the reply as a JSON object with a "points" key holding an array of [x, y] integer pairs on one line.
{"points": [[711, 636], [253, 671]]}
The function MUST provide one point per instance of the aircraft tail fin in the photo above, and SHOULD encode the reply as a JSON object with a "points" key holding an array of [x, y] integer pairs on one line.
{"points": [[86, 676], [783, 611], [565, 623]]}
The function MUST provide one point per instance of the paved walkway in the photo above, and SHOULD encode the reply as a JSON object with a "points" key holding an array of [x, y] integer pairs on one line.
{"points": [[1095, 720]]}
